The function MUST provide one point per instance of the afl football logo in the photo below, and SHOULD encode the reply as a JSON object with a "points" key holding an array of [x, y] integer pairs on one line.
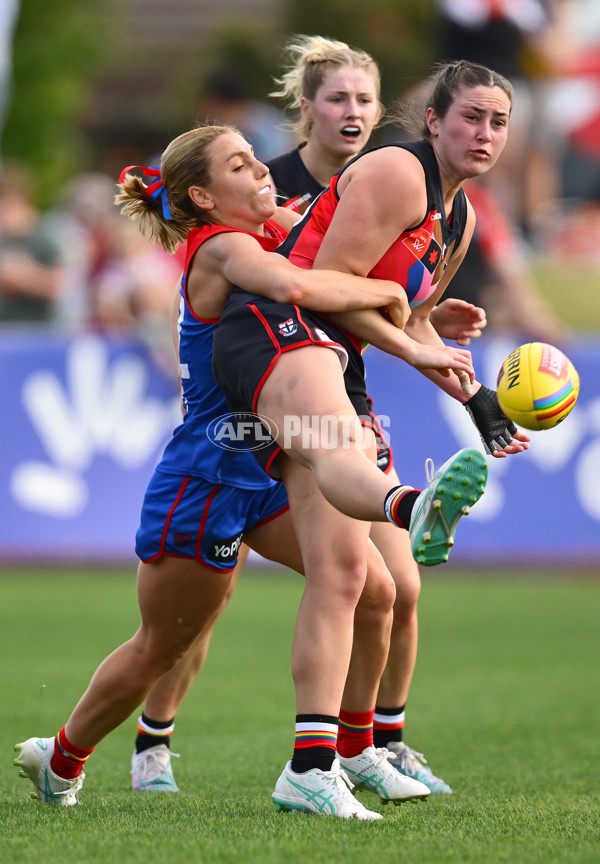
{"points": [[242, 431]]}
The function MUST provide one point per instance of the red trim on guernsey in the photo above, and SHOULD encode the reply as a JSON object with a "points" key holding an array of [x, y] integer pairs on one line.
{"points": [[270, 240], [186, 300], [186, 480], [196, 238]]}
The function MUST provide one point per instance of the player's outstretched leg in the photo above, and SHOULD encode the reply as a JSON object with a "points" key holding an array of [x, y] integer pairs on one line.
{"points": [[451, 493], [34, 759]]}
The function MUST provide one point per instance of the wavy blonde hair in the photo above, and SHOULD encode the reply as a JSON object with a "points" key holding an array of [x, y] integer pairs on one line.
{"points": [[310, 58], [184, 163]]}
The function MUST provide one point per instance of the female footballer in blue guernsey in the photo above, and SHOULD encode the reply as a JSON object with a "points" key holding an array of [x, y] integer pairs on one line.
{"points": [[336, 90], [212, 193]]}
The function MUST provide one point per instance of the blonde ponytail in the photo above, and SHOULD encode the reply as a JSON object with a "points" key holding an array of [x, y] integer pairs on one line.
{"points": [[164, 211]]}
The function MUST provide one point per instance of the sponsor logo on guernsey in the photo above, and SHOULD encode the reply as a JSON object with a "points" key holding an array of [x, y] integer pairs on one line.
{"points": [[288, 328], [225, 551], [425, 248]]}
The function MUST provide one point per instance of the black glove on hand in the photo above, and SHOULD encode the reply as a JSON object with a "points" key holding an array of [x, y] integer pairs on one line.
{"points": [[495, 428]]}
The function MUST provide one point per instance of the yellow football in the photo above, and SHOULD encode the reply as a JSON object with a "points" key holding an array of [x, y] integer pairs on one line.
{"points": [[537, 386]]}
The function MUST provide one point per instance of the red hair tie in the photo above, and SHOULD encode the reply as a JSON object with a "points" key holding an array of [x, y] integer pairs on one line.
{"points": [[153, 190]]}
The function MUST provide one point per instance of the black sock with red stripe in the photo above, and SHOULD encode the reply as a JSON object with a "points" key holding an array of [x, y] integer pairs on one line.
{"points": [[399, 503], [388, 725]]}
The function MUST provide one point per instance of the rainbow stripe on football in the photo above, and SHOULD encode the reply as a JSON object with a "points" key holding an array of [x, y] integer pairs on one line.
{"points": [[537, 386]]}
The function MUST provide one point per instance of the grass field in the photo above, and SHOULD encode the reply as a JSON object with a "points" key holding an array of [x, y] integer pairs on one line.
{"points": [[505, 703], [579, 283]]}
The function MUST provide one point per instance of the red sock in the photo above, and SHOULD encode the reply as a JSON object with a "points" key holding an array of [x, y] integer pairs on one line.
{"points": [[68, 761], [355, 732]]}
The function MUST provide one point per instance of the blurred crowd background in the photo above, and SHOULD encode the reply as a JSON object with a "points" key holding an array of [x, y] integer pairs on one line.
{"points": [[87, 374], [88, 88]]}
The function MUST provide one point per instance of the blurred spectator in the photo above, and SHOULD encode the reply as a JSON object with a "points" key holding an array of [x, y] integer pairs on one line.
{"points": [[85, 223], [29, 258], [569, 229], [497, 275], [113, 278], [137, 282], [575, 102], [525, 41], [263, 125], [9, 10], [134, 291]]}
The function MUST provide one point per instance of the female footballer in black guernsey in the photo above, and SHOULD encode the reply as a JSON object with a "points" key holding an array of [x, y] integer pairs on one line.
{"points": [[336, 90], [382, 199]]}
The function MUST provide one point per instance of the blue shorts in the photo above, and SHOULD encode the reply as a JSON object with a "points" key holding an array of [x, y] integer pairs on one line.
{"points": [[188, 517]]}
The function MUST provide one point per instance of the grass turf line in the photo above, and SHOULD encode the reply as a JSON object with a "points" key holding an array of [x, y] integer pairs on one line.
{"points": [[503, 703]]}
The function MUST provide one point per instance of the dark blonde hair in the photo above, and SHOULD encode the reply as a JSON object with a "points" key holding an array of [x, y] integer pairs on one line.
{"points": [[310, 59], [168, 217], [440, 90]]}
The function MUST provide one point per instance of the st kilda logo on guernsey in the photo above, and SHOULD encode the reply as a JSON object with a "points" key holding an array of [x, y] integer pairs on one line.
{"points": [[288, 328]]}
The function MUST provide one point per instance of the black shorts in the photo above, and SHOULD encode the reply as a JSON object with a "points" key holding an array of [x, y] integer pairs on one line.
{"points": [[385, 457], [247, 343]]}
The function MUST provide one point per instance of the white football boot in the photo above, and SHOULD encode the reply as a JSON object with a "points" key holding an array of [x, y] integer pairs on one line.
{"points": [[326, 793], [151, 770], [372, 771], [34, 761]]}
